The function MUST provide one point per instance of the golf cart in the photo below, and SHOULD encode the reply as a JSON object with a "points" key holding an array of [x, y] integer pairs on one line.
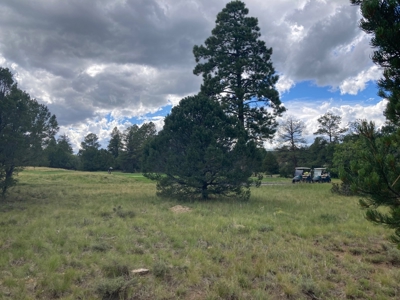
{"points": [[321, 175], [302, 174]]}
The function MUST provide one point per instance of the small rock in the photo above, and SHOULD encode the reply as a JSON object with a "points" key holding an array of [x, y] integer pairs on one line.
{"points": [[140, 271]]}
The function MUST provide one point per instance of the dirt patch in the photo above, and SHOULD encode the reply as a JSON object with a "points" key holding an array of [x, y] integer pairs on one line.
{"points": [[180, 209]]}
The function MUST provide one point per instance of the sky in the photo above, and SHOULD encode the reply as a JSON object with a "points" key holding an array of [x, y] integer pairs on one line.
{"points": [[100, 64]]}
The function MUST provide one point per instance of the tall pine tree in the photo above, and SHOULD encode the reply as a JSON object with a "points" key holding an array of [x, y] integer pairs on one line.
{"points": [[115, 144], [237, 71]]}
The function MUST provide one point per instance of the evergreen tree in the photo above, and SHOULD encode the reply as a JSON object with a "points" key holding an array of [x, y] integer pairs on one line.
{"points": [[346, 152], [237, 71], [270, 164], [134, 140], [320, 153], [329, 125], [25, 128], [200, 152], [372, 171], [381, 18], [115, 144], [91, 141], [60, 154], [90, 154], [64, 143], [104, 159], [129, 158]]}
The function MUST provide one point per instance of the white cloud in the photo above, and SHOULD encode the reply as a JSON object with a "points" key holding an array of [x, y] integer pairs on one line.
{"points": [[93, 70], [355, 84], [284, 84]]}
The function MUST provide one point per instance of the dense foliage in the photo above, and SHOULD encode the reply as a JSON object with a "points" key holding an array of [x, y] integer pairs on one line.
{"points": [[370, 166], [92, 157], [59, 154], [25, 127], [200, 152], [134, 140]]}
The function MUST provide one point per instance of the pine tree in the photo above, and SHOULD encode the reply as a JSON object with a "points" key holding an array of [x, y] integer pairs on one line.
{"points": [[270, 164], [329, 125], [90, 152], [237, 71], [200, 152], [115, 144], [64, 143], [25, 128], [373, 172], [134, 140]]}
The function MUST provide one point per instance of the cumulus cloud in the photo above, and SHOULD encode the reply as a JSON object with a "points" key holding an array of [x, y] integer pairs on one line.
{"points": [[284, 84], [355, 84], [91, 59]]}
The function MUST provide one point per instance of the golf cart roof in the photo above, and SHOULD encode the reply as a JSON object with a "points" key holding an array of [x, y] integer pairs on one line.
{"points": [[303, 168], [319, 168]]}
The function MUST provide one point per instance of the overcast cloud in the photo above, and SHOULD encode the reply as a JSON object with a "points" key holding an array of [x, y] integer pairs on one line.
{"points": [[96, 64]]}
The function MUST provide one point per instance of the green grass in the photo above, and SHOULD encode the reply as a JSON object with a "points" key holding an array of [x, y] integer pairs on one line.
{"points": [[76, 235]]}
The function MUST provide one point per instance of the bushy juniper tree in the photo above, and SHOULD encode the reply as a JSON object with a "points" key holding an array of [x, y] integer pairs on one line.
{"points": [[237, 71], [200, 152]]}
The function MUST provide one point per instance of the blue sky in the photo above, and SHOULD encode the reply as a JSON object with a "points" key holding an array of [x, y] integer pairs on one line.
{"points": [[110, 63], [307, 91]]}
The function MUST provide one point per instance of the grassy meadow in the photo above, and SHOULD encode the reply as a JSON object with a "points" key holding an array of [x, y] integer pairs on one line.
{"points": [[79, 235]]}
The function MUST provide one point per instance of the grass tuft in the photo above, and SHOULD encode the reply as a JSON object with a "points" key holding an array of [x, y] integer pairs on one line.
{"points": [[114, 288]]}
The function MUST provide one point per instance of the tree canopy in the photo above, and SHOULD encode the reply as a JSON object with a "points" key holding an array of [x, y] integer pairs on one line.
{"points": [[25, 127], [133, 142], [200, 152], [329, 125], [59, 153], [237, 70], [92, 157], [370, 165], [115, 143]]}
